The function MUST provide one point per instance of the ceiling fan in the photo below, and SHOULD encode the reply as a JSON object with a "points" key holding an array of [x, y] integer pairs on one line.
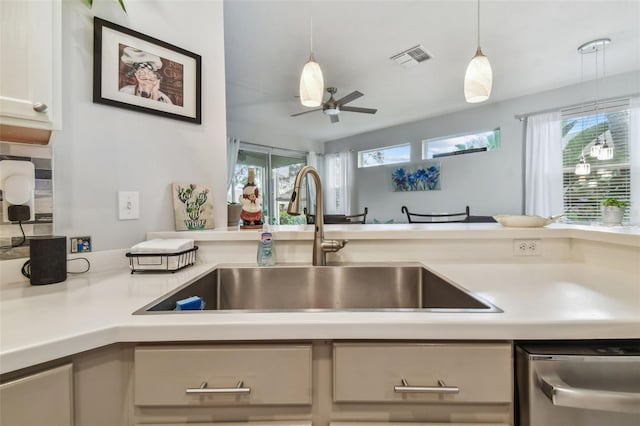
{"points": [[332, 107]]}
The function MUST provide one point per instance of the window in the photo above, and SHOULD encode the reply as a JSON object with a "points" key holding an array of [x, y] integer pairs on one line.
{"points": [[275, 173], [385, 155], [583, 195], [464, 144]]}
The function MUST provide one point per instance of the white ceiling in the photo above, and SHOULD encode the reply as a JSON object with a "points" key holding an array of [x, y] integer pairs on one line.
{"points": [[532, 46]]}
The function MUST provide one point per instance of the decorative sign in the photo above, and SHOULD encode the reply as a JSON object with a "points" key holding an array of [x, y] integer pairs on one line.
{"points": [[193, 209]]}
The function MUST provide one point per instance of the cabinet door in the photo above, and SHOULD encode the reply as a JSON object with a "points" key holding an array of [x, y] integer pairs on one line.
{"points": [[356, 423], [40, 399], [30, 63], [256, 423]]}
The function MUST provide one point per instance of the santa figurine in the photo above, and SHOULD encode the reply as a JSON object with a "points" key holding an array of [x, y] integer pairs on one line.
{"points": [[251, 201]]}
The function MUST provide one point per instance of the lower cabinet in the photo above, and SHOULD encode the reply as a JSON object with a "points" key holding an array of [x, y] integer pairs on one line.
{"points": [[317, 383], [324, 383], [44, 398]]}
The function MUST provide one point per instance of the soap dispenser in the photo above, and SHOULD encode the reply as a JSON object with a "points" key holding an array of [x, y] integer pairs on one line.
{"points": [[266, 248]]}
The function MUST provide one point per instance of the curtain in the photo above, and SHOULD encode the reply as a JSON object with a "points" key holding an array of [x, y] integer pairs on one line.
{"points": [[339, 187], [634, 154], [233, 146], [543, 165]]}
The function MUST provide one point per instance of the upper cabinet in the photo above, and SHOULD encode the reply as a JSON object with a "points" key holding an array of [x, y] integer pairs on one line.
{"points": [[30, 76]]}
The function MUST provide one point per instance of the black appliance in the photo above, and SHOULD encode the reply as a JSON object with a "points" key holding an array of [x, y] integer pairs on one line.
{"points": [[48, 263]]}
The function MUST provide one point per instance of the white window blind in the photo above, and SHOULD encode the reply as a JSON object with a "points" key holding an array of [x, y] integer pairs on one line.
{"points": [[581, 126]]}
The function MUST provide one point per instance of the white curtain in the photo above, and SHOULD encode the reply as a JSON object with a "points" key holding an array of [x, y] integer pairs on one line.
{"points": [[634, 154], [543, 165], [338, 190], [233, 146]]}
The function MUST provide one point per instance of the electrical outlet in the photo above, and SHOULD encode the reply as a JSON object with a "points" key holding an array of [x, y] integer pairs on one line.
{"points": [[527, 248], [80, 244]]}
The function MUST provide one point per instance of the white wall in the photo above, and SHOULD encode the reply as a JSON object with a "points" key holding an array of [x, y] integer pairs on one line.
{"points": [[265, 135], [489, 182], [103, 149]]}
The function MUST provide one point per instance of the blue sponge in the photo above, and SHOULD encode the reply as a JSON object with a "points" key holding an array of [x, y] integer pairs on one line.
{"points": [[193, 303]]}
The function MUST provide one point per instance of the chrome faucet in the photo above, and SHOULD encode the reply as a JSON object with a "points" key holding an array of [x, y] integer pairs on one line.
{"points": [[320, 245]]}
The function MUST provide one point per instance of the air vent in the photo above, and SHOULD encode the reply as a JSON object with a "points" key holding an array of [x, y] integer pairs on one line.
{"points": [[411, 57]]}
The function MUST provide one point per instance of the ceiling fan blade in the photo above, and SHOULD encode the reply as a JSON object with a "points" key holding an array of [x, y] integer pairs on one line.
{"points": [[358, 109], [305, 112], [334, 118], [350, 97]]}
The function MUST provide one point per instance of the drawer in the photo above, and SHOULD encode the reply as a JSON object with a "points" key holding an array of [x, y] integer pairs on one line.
{"points": [[228, 375], [44, 398], [371, 372]]}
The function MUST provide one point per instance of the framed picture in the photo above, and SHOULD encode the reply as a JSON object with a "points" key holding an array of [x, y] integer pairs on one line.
{"points": [[422, 177], [192, 206], [134, 71]]}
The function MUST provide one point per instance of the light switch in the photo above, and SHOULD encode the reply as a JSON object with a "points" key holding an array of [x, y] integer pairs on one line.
{"points": [[128, 205]]}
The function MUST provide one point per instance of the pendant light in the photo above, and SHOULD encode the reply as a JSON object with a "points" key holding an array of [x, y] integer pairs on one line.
{"points": [[311, 80], [479, 78], [582, 167], [606, 150], [594, 46]]}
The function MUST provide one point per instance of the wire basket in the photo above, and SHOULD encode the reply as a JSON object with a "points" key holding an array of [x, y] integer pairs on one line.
{"points": [[161, 262]]}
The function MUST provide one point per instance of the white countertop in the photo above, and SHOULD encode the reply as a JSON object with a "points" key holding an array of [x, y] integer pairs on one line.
{"points": [[554, 300], [626, 235]]}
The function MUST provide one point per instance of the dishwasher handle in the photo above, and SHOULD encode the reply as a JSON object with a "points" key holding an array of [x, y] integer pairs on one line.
{"points": [[563, 395]]}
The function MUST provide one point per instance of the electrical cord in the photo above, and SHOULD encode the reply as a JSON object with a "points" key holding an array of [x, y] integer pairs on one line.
{"points": [[80, 258], [24, 238], [26, 267]]}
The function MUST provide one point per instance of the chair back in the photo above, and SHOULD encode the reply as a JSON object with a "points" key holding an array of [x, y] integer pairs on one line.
{"points": [[436, 217], [338, 218]]}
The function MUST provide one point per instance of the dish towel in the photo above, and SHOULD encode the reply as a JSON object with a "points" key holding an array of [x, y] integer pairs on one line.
{"points": [[162, 246]]}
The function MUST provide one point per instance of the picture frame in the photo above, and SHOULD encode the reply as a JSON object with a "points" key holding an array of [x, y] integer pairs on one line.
{"points": [[192, 206], [416, 177], [135, 71]]}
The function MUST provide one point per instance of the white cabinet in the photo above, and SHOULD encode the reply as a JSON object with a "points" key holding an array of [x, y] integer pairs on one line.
{"points": [[44, 398], [30, 76]]}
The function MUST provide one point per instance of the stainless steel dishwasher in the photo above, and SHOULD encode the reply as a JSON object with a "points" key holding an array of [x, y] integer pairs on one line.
{"points": [[578, 383]]}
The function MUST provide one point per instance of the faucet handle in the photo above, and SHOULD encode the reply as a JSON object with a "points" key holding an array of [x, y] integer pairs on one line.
{"points": [[333, 245]]}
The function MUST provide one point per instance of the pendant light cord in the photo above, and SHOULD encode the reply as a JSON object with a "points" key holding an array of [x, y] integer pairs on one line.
{"points": [[311, 35], [478, 24]]}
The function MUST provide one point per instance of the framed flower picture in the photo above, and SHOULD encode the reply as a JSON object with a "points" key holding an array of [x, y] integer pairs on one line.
{"points": [[423, 177], [134, 71]]}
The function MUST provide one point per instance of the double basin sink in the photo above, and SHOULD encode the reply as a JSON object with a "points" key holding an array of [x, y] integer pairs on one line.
{"points": [[401, 288]]}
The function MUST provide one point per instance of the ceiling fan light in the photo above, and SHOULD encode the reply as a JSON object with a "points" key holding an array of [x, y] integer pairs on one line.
{"points": [[478, 79], [311, 84]]}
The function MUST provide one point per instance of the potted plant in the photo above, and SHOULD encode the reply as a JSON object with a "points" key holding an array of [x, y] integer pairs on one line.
{"points": [[612, 211]]}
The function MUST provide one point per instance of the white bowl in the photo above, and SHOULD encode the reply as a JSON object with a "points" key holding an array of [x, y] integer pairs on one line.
{"points": [[525, 221]]}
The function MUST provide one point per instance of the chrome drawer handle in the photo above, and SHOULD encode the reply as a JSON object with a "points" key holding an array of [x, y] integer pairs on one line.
{"points": [[441, 388], [39, 107], [203, 389], [564, 395]]}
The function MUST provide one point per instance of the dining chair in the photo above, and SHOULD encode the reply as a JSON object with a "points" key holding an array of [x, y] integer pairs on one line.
{"points": [[436, 217]]}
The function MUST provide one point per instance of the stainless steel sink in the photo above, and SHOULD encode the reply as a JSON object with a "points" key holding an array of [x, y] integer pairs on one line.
{"points": [[314, 288]]}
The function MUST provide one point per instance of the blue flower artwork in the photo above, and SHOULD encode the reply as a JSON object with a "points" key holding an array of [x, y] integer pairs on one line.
{"points": [[425, 177]]}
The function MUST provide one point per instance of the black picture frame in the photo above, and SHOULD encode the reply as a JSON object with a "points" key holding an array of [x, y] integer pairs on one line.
{"points": [[134, 71]]}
